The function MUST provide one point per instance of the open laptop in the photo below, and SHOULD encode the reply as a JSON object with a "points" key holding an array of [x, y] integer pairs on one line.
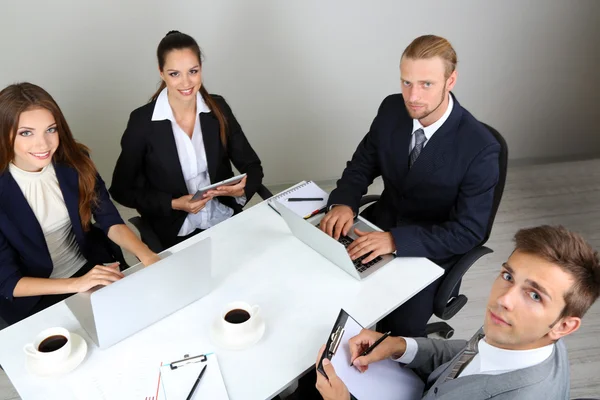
{"points": [[334, 250], [146, 295]]}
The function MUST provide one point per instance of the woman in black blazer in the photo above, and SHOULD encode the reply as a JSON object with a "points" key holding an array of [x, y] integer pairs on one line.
{"points": [[181, 141]]}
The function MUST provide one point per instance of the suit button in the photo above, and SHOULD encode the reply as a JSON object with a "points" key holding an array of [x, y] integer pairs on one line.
{"points": [[435, 391]]}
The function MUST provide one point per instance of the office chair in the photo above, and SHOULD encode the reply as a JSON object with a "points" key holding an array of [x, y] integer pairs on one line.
{"points": [[149, 237], [447, 301]]}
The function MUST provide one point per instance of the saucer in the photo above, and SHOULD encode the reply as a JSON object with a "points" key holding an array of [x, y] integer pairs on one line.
{"points": [[42, 368], [238, 343]]}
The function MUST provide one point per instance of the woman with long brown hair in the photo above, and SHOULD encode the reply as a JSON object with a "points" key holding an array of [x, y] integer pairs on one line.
{"points": [[181, 141], [49, 192]]}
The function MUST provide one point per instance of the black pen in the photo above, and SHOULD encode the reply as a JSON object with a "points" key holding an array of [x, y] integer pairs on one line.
{"points": [[305, 199], [370, 349], [196, 383]]}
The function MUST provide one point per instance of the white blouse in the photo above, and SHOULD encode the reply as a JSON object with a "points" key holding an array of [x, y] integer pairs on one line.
{"points": [[42, 192], [192, 157]]}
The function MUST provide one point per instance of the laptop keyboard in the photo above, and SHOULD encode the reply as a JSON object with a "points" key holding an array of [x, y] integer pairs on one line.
{"points": [[360, 267]]}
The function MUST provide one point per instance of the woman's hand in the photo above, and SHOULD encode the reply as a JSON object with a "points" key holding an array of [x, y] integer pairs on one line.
{"points": [[185, 203], [100, 275], [149, 258], [236, 190]]}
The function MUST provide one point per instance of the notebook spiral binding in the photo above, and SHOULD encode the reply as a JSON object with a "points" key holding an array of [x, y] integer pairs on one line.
{"points": [[292, 190]]}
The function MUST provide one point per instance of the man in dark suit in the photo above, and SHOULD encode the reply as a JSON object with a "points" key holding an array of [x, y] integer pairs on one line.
{"points": [[439, 167]]}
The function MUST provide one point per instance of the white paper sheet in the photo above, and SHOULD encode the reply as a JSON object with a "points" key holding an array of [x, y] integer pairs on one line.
{"points": [[384, 380], [177, 383]]}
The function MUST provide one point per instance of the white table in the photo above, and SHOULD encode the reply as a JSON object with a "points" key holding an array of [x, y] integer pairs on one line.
{"points": [[258, 261]]}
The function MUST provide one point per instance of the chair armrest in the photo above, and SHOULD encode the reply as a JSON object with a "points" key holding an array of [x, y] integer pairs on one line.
{"points": [[147, 234], [368, 199], [442, 306], [264, 193]]}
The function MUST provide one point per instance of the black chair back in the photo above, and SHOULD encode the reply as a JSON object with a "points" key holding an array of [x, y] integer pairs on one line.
{"points": [[448, 301], [503, 170]]}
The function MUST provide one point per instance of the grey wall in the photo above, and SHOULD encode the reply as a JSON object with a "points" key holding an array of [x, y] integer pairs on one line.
{"points": [[305, 78]]}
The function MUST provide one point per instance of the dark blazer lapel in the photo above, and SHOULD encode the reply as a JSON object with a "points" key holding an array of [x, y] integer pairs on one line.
{"points": [[400, 143], [17, 209], [167, 151], [68, 180], [212, 140], [433, 156]]}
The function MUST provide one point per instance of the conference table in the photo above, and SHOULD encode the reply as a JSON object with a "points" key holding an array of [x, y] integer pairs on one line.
{"points": [[256, 259]]}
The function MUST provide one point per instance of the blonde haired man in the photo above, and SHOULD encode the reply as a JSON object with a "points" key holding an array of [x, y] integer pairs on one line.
{"points": [[439, 167]]}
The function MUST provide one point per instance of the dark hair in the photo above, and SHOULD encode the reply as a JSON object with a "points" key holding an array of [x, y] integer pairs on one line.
{"points": [[175, 40], [20, 97], [572, 254]]}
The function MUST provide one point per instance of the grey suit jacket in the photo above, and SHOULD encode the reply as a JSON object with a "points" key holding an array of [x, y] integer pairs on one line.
{"points": [[435, 359]]}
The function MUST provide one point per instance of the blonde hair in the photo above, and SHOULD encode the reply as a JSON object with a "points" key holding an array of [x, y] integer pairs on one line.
{"points": [[429, 46]]}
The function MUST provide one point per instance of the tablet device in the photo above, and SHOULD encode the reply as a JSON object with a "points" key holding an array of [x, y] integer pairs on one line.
{"points": [[227, 182]]}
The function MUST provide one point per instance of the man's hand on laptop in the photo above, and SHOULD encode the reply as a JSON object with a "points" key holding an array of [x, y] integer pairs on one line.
{"points": [[338, 221], [376, 243], [100, 275]]}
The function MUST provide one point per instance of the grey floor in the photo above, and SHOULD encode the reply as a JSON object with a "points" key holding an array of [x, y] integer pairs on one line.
{"points": [[561, 193]]}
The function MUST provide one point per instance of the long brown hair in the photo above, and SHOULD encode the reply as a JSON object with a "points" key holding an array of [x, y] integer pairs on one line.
{"points": [[175, 40], [25, 96]]}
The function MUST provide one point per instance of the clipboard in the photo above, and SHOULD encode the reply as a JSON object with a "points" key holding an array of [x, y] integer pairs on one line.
{"points": [[384, 380], [178, 377]]}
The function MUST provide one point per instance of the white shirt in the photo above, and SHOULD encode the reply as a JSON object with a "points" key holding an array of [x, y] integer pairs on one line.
{"points": [[490, 360], [192, 157], [43, 194], [431, 129]]}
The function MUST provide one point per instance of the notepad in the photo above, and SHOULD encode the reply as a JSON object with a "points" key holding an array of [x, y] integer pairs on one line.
{"points": [[176, 383], [384, 380], [303, 190]]}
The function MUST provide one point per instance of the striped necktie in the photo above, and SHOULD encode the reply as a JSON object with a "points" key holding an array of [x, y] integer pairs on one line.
{"points": [[466, 357], [420, 140]]}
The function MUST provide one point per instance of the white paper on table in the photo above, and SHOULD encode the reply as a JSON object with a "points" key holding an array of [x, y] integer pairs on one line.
{"points": [[384, 380], [133, 376], [177, 383]]}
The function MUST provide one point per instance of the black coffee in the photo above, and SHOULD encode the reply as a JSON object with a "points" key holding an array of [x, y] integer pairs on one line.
{"points": [[237, 316], [52, 343]]}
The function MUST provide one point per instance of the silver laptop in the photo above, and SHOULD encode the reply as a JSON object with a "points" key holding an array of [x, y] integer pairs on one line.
{"points": [[146, 295], [334, 250]]}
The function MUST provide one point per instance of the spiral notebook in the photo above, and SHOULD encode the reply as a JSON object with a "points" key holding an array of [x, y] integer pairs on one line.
{"points": [[304, 209]]}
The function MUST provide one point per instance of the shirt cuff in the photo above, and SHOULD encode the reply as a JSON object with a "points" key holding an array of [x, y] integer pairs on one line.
{"points": [[241, 200], [410, 353]]}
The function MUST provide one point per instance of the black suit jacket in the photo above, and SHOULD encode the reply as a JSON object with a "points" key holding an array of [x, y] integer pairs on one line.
{"points": [[148, 174], [23, 248], [440, 207]]}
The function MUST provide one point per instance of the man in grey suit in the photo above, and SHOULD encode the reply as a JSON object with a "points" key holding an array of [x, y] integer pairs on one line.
{"points": [[540, 295]]}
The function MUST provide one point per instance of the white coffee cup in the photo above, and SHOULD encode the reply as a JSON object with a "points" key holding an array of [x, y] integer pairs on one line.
{"points": [[55, 356], [248, 323]]}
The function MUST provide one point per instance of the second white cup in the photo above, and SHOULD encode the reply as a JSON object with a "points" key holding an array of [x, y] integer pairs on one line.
{"points": [[240, 319], [52, 345]]}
